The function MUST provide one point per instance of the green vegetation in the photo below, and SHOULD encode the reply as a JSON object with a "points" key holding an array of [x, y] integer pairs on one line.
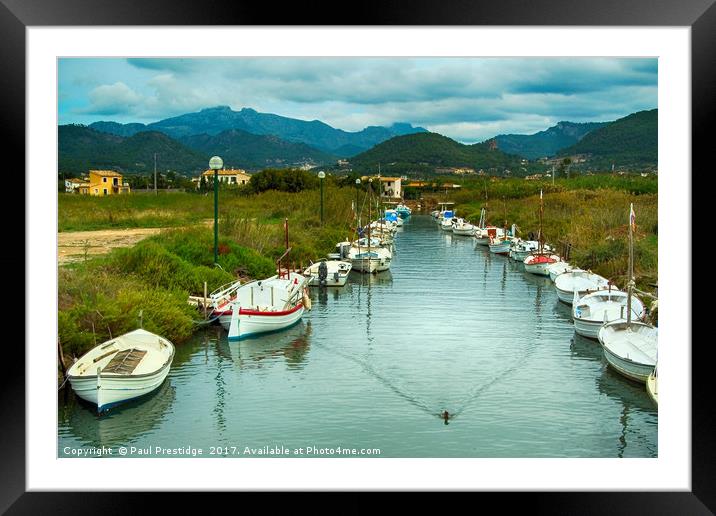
{"points": [[548, 142], [241, 149], [631, 142], [81, 148], [423, 152]]}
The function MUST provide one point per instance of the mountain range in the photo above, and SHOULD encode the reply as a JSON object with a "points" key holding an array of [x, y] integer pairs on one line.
{"points": [[548, 142], [632, 141], [184, 144], [315, 133]]}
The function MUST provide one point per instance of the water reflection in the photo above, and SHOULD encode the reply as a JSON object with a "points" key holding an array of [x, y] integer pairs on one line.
{"points": [[80, 420], [291, 345]]}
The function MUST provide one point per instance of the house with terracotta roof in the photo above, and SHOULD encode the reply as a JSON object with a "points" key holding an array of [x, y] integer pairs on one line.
{"points": [[105, 182], [229, 176]]}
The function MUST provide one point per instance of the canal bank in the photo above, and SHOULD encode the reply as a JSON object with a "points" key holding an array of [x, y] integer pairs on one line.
{"points": [[374, 365]]}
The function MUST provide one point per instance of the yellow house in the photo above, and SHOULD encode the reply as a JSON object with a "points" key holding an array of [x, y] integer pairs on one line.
{"points": [[229, 176], [106, 182]]}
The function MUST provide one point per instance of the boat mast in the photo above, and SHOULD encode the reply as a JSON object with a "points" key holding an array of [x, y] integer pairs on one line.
{"points": [[630, 285], [540, 239]]}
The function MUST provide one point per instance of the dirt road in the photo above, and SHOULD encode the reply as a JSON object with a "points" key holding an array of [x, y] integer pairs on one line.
{"points": [[72, 246]]}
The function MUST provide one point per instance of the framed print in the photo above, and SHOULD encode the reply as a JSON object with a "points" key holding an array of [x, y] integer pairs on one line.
{"points": [[416, 253]]}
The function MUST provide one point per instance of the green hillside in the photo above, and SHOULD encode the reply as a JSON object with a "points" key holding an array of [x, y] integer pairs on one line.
{"points": [[241, 149], [630, 142], [423, 152], [82, 148]]}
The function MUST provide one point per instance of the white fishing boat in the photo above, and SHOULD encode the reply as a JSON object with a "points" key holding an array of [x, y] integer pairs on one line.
{"points": [[446, 220], [539, 261], [630, 347], [364, 261], [500, 245], [463, 227], [121, 369], [332, 273], [521, 249], [652, 385], [578, 282], [590, 312], [443, 207], [558, 268], [266, 305]]}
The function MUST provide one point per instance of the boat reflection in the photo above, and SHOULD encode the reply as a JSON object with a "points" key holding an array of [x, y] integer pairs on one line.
{"points": [[292, 345], [634, 401], [583, 348], [379, 278], [111, 428]]}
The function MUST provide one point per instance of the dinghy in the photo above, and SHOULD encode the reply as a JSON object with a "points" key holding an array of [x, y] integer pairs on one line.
{"points": [[335, 273], [592, 311], [630, 347], [578, 282], [121, 369]]}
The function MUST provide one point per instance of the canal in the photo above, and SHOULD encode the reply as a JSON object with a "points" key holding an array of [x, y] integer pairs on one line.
{"points": [[374, 364]]}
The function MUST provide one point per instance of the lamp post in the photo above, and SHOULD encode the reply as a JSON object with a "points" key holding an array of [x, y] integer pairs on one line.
{"points": [[357, 192], [321, 175], [216, 164]]}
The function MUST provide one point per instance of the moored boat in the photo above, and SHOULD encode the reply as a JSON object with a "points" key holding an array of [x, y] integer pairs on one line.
{"points": [[463, 227], [121, 369], [558, 268], [540, 260], [630, 347], [578, 282], [500, 245], [590, 312], [332, 273]]}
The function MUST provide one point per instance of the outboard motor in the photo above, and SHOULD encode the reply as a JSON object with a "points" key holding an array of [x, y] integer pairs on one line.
{"points": [[335, 276], [322, 273]]}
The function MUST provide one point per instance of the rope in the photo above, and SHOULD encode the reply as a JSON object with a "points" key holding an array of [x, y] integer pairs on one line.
{"points": [[63, 383]]}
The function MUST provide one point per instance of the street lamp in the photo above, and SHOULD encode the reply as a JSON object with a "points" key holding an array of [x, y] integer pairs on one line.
{"points": [[357, 192], [216, 164], [321, 175]]}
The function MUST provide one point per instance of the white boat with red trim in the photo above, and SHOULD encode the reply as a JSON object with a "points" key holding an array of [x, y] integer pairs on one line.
{"points": [[538, 263], [266, 305]]}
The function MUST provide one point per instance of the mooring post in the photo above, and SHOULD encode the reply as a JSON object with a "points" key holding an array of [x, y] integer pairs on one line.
{"points": [[61, 357], [205, 300]]}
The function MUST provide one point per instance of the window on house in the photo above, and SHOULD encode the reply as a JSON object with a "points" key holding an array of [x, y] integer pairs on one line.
{"points": [[104, 190], [104, 179], [115, 181]]}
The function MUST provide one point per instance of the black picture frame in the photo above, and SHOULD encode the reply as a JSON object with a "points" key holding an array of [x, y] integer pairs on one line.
{"points": [[700, 15]]}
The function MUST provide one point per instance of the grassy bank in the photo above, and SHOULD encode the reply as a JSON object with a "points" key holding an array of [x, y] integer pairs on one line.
{"points": [[590, 213], [102, 296]]}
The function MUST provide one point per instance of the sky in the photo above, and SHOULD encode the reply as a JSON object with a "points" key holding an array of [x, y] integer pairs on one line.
{"points": [[467, 99]]}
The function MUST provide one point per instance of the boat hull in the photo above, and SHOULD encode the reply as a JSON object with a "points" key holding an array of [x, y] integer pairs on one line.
{"points": [[330, 281], [252, 322], [115, 389], [501, 248], [589, 329], [632, 370]]}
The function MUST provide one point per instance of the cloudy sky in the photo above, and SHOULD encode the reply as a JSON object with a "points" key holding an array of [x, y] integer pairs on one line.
{"points": [[468, 99]]}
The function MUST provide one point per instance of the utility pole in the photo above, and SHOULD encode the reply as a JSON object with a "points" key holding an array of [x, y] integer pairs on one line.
{"points": [[155, 174]]}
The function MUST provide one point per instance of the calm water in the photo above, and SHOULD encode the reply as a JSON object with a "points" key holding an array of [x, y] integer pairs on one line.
{"points": [[450, 327]]}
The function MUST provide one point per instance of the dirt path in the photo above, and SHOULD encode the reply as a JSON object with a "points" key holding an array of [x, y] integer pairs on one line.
{"points": [[72, 245]]}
